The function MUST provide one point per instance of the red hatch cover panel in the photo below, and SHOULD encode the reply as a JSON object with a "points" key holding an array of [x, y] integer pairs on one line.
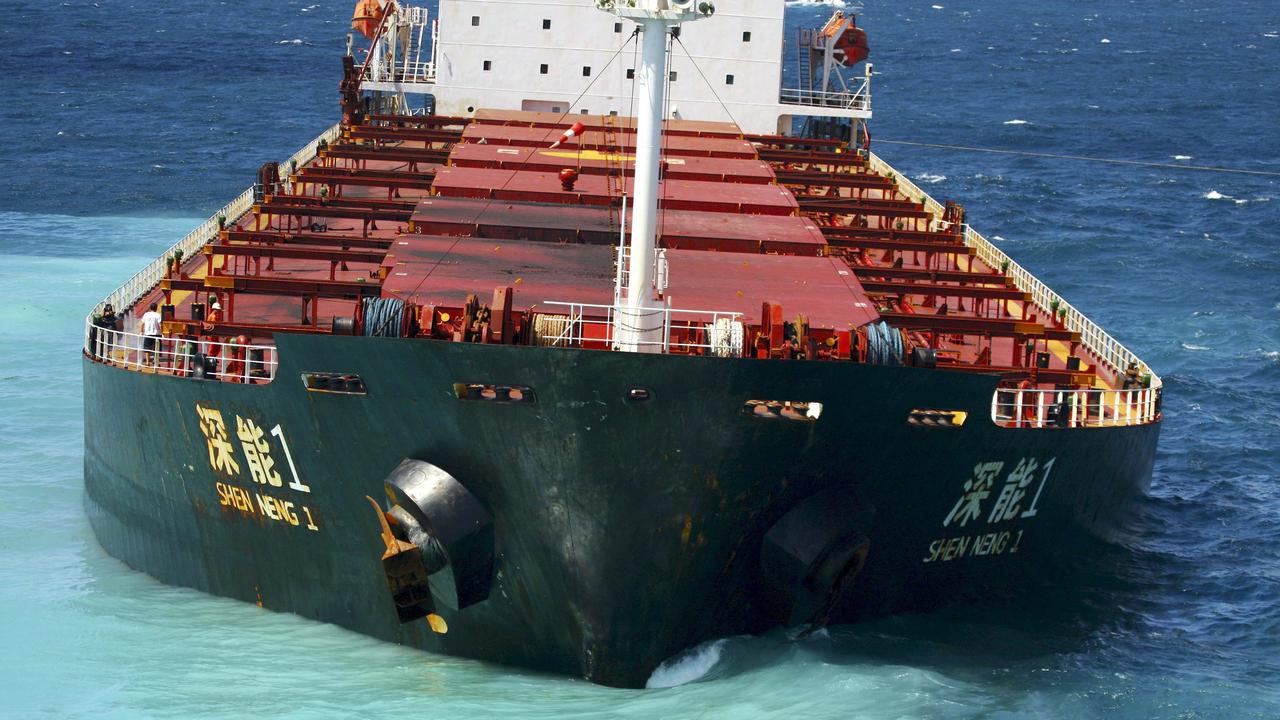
{"points": [[543, 137], [599, 122], [546, 160], [686, 229], [463, 266], [593, 189], [824, 289]]}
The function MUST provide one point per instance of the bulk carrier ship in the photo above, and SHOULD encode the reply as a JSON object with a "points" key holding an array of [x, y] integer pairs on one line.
{"points": [[589, 334]]}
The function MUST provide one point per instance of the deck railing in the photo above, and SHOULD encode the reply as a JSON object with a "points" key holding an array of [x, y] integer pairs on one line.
{"points": [[859, 99], [232, 362], [1097, 340], [1035, 408], [722, 329]]}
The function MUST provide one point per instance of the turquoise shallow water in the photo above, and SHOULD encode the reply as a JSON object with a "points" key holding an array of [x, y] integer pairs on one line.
{"points": [[126, 139]]}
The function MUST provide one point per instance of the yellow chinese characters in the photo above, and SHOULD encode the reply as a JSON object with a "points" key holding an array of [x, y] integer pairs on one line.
{"points": [[222, 455], [257, 451]]}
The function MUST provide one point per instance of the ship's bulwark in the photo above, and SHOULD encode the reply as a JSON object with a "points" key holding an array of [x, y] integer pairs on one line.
{"points": [[625, 530]]}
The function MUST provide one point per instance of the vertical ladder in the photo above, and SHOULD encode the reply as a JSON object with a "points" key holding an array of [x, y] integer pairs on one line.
{"points": [[613, 171], [804, 64]]}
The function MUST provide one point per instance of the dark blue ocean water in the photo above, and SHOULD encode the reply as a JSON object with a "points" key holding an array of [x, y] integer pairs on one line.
{"points": [[126, 122]]}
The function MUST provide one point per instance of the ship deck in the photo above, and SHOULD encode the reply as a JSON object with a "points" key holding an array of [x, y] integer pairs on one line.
{"points": [[801, 238]]}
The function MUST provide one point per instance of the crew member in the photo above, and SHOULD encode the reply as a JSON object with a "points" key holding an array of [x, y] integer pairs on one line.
{"points": [[104, 339], [150, 334], [1131, 380], [211, 320]]}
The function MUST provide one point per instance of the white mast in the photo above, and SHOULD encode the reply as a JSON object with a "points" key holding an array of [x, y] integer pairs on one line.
{"points": [[638, 320]]}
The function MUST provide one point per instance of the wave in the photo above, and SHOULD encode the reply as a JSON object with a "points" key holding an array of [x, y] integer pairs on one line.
{"points": [[1182, 157], [930, 178], [1189, 346], [1215, 195], [1016, 121], [49, 234], [832, 3], [687, 667]]}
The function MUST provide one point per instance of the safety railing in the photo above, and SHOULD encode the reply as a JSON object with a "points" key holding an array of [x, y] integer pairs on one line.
{"points": [[182, 356], [142, 281], [1075, 408], [1107, 348], [859, 99], [399, 57], [711, 332]]}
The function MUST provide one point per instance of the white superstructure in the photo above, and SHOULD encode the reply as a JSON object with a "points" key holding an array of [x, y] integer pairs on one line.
{"points": [[539, 55]]}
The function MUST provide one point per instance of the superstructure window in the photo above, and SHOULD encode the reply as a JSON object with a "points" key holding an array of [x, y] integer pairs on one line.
{"points": [[746, 36], [586, 71], [542, 68], [728, 79], [488, 65], [672, 76], [617, 27], [475, 21], [546, 24], [631, 73]]}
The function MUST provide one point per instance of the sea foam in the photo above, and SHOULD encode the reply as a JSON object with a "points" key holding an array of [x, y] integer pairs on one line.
{"points": [[688, 666]]}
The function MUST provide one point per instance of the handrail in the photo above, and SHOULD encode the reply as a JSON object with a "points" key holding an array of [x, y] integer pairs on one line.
{"points": [[227, 361], [1107, 348], [859, 99], [673, 319], [1075, 408]]}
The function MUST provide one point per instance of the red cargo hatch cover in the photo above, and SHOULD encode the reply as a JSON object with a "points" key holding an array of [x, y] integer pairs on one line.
{"points": [[549, 222], [459, 266], [678, 145], [742, 198], [595, 162], [824, 289]]}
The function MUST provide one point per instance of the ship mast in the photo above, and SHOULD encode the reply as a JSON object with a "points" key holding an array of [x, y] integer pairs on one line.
{"points": [[639, 318]]}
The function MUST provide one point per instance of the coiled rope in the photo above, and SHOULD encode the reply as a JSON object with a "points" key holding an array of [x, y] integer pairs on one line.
{"points": [[884, 345], [383, 317]]}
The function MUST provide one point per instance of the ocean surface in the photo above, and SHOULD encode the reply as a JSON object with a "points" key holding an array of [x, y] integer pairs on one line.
{"points": [[126, 122]]}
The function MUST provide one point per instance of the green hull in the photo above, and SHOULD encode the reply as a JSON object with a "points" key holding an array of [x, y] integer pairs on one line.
{"points": [[624, 530]]}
